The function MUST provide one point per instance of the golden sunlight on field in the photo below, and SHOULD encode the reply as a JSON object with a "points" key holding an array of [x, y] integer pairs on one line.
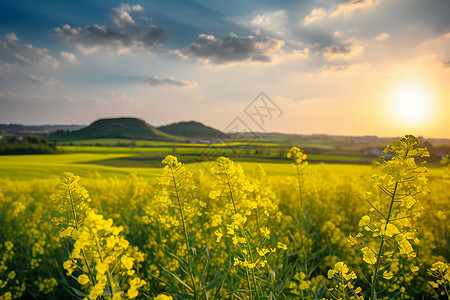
{"points": [[223, 233]]}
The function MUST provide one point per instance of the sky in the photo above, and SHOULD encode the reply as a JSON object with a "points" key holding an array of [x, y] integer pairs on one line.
{"points": [[341, 67]]}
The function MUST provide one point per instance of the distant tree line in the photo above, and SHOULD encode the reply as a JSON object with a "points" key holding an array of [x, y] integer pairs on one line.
{"points": [[26, 145]]}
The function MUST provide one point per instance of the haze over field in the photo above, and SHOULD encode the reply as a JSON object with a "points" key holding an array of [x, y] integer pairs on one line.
{"points": [[337, 67]]}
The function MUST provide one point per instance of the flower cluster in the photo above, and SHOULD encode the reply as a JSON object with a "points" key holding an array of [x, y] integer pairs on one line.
{"points": [[250, 210], [343, 278], [440, 271], [297, 156], [70, 204], [101, 254], [389, 232], [231, 234], [10, 287]]}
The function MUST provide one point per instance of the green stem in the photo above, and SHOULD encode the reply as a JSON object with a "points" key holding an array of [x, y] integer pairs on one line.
{"points": [[110, 281], [303, 223], [231, 193], [246, 239], [75, 220], [373, 292], [300, 189], [249, 283], [251, 259], [185, 234]]}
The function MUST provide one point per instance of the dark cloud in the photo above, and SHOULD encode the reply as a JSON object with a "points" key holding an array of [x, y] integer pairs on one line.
{"points": [[346, 67], [168, 81], [234, 48], [342, 51], [125, 34], [95, 35]]}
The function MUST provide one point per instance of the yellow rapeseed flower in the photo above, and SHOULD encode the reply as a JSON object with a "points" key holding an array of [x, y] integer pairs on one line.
{"points": [[83, 279]]}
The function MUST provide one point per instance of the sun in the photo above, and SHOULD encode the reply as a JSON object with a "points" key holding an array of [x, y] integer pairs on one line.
{"points": [[411, 104]]}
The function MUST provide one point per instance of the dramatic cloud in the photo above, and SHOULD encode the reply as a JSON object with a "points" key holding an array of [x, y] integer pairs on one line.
{"points": [[68, 57], [345, 9], [234, 48], [32, 79], [91, 38], [168, 81], [343, 51], [26, 54], [122, 17]]}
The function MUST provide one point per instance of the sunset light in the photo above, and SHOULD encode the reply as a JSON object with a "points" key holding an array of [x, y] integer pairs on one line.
{"points": [[412, 104], [224, 150]]}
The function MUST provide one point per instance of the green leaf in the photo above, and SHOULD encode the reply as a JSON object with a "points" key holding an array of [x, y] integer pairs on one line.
{"points": [[78, 292], [215, 281], [178, 279]]}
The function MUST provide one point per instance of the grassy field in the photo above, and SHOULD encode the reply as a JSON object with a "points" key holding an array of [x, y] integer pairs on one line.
{"points": [[121, 157], [25, 167]]}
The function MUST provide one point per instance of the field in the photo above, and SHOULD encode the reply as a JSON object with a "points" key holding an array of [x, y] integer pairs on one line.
{"points": [[265, 224]]}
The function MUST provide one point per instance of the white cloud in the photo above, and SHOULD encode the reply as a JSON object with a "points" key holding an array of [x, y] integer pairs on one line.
{"points": [[11, 37], [177, 53], [299, 53], [337, 34], [345, 9], [27, 54], [5, 69], [439, 47], [273, 22], [316, 15], [168, 81], [40, 80], [122, 17], [68, 57], [382, 37]]}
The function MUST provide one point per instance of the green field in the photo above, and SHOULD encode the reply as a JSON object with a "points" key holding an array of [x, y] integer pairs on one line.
{"points": [[120, 157], [25, 167]]}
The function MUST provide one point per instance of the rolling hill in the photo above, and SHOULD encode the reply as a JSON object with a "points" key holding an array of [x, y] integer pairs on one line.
{"points": [[191, 129], [127, 128]]}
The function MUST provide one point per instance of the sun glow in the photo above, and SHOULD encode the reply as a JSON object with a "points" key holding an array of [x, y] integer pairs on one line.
{"points": [[411, 104]]}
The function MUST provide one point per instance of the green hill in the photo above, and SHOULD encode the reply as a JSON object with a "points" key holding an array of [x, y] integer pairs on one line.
{"points": [[191, 129], [127, 128]]}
